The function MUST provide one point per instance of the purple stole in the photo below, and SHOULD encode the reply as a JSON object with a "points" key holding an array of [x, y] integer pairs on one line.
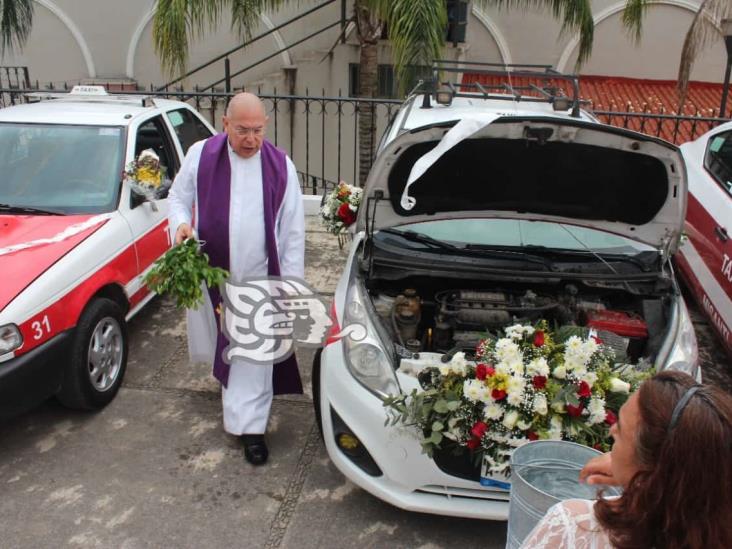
{"points": [[213, 200]]}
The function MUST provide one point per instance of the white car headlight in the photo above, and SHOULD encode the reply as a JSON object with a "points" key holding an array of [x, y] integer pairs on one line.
{"points": [[684, 353], [366, 359], [10, 338]]}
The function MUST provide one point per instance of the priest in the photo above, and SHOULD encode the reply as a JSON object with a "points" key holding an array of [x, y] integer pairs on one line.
{"points": [[242, 196]]}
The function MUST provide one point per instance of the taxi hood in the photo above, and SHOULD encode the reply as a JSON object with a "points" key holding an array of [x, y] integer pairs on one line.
{"points": [[535, 168]]}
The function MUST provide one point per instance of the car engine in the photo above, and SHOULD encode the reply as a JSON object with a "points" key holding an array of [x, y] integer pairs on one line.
{"points": [[452, 320]]}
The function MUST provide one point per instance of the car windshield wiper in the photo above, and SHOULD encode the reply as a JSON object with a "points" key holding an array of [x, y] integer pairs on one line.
{"points": [[643, 266], [28, 209], [470, 249]]}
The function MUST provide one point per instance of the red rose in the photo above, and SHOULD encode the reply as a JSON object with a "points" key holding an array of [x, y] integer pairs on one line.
{"points": [[531, 435], [498, 394], [584, 389], [346, 215], [538, 338], [481, 371], [574, 411], [539, 382], [490, 371], [479, 429], [473, 443], [610, 417]]}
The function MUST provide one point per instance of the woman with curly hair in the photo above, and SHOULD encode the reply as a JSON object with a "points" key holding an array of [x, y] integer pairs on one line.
{"points": [[672, 455]]}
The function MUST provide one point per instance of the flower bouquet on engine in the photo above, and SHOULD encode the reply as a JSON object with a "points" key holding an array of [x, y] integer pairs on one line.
{"points": [[533, 383], [338, 211], [146, 176]]}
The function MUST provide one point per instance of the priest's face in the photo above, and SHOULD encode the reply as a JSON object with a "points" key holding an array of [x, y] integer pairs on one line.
{"points": [[245, 125]]}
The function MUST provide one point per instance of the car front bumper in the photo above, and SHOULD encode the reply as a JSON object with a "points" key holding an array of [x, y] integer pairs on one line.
{"points": [[409, 479], [30, 378]]}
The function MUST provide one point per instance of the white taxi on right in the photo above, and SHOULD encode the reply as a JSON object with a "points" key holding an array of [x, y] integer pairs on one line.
{"points": [[705, 258]]}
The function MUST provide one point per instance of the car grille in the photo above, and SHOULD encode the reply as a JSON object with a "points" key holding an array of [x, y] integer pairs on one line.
{"points": [[469, 493]]}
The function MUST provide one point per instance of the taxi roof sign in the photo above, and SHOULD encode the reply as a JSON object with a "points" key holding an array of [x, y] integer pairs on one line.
{"points": [[88, 90]]}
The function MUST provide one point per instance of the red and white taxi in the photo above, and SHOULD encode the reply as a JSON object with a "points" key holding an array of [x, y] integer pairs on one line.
{"points": [[75, 241], [705, 259]]}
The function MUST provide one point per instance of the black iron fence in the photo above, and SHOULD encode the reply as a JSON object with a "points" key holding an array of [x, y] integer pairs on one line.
{"points": [[320, 133]]}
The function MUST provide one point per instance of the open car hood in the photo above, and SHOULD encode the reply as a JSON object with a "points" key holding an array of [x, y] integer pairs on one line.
{"points": [[534, 168]]}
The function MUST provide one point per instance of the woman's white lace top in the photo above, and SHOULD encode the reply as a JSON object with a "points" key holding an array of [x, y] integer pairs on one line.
{"points": [[569, 524]]}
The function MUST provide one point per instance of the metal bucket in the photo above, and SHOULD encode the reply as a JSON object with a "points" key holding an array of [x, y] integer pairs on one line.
{"points": [[543, 473]]}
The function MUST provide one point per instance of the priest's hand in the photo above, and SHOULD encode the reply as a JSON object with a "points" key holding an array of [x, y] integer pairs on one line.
{"points": [[183, 232], [599, 470]]}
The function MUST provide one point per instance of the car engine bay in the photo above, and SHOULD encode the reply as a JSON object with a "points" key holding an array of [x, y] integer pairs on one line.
{"points": [[440, 316]]}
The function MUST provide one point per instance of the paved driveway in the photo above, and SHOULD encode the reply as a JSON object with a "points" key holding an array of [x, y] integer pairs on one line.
{"points": [[155, 469]]}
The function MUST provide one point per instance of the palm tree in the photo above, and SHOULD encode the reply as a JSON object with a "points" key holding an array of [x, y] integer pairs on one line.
{"points": [[704, 30], [416, 30], [16, 19]]}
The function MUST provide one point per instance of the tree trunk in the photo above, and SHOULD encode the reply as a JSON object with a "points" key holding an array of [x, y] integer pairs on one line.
{"points": [[369, 32]]}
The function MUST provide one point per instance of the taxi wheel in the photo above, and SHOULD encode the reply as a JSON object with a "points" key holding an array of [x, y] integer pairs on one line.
{"points": [[98, 357]]}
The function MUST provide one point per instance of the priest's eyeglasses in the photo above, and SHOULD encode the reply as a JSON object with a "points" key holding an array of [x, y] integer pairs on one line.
{"points": [[241, 131]]}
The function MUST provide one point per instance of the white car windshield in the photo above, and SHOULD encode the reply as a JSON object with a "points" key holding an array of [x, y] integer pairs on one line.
{"points": [[60, 168], [517, 233]]}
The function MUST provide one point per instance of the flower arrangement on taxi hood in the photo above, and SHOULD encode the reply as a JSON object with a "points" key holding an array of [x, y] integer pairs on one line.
{"points": [[339, 208], [531, 384], [146, 176]]}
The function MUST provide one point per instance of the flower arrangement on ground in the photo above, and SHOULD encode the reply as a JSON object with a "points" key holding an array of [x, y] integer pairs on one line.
{"points": [[531, 384], [339, 208], [146, 176]]}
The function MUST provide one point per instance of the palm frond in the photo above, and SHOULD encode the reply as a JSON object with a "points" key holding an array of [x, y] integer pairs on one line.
{"points": [[177, 22], [574, 15], [633, 14], [16, 20], [417, 33], [703, 31]]}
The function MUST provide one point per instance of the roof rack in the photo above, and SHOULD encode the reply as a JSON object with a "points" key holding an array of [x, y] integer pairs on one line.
{"points": [[92, 94], [508, 82]]}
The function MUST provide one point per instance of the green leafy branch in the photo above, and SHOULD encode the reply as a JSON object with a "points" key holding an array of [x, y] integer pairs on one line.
{"points": [[180, 273]]}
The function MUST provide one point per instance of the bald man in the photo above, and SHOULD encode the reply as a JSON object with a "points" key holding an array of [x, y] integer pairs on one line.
{"points": [[240, 173]]}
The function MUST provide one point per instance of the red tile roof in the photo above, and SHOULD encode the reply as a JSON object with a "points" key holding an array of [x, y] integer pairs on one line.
{"points": [[611, 93]]}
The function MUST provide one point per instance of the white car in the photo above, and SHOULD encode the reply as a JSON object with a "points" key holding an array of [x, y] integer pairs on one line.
{"points": [[531, 212], [75, 242], [705, 258]]}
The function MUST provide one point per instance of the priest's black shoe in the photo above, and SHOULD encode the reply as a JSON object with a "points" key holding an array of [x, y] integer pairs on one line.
{"points": [[255, 449]]}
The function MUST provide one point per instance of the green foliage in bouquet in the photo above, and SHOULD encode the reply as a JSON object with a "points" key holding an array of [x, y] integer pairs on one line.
{"points": [[180, 273]]}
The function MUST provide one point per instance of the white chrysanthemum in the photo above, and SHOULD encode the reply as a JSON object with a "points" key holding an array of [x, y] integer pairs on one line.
{"points": [[493, 411], [596, 407], [560, 372], [573, 344], [515, 399], [538, 367], [517, 367], [503, 368], [444, 369], [540, 405], [590, 346], [458, 364], [473, 389], [509, 421], [508, 351], [515, 384], [523, 425]]}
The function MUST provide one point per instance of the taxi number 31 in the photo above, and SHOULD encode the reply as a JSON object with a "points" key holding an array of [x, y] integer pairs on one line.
{"points": [[41, 327]]}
